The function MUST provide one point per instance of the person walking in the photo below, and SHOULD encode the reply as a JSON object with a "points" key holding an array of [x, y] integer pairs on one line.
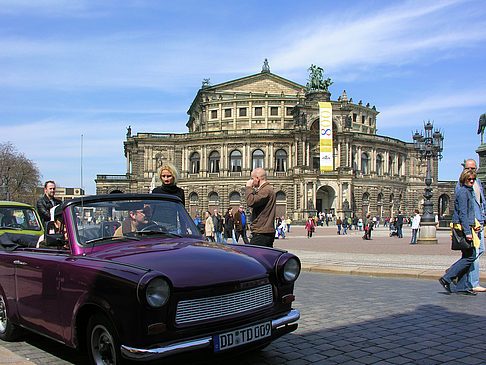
{"points": [[47, 201], [241, 224], [310, 227], [288, 221], [229, 225], [399, 224], [472, 276], [209, 227], [260, 196], [218, 226], [339, 223], [415, 227], [464, 215]]}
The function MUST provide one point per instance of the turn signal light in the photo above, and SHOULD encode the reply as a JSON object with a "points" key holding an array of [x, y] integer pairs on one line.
{"points": [[287, 299]]}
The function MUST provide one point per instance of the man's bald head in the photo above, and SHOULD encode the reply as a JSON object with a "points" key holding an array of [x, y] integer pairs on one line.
{"points": [[470, 165], [259, 176]]}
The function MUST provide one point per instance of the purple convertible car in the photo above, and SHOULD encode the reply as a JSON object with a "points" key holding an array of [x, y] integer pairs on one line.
{"points": [[126, 276]]}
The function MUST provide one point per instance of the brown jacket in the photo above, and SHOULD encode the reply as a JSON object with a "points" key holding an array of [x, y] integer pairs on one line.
{"points": [[262, 200], [238, 222]]}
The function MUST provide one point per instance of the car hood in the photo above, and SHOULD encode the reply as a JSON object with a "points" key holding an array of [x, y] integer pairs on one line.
{"points": [[188, 264]]}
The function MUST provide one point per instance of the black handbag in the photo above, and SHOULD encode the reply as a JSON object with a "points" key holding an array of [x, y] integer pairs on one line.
{"points": [[459, 241]]}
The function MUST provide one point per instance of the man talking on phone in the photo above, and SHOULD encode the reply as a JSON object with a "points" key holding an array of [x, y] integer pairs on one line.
{"points": [[261, 197]]}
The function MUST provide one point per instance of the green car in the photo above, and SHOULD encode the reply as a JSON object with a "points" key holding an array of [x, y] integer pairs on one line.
{"points": [[20, 218]]}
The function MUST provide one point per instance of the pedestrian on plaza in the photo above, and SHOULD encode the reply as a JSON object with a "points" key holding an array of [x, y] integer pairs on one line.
{"points": [[471, 279], [288, 221], [415, 227], [260, 196], [310, 227], [47, 201], [368, 226], [169, 176], [464, 214], [360, 224], [345, 225], [209, 227], [282, 228], [218, 226], [339, 223], [399, 224], [241, 224], [229, 225]]}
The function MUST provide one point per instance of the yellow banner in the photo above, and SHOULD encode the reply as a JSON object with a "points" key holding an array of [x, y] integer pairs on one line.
{"points": [[325, 136]]}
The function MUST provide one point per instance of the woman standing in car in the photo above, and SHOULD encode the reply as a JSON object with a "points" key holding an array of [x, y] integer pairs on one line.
{"points": [[169, 176]]}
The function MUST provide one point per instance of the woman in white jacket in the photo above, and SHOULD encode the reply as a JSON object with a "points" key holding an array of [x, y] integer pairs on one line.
{"points": [[415, 227]]}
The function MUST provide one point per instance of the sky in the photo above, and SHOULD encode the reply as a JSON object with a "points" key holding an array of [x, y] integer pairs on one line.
{"points": [[75, 73]]}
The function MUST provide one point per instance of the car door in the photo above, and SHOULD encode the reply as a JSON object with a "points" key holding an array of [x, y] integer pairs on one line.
{"points": [[38, 282]]}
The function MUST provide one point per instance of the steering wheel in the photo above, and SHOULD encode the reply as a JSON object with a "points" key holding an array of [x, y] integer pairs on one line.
{"points": [[153, 227]]}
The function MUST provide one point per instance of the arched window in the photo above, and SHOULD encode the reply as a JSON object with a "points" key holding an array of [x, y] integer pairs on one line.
{"points": [[214, 161], [257, 159], [379, 199], [235, 161], [366, 198], [280, 160], [235, 197], [195, 163], [193, 198], [364, 164], [379, 165], [400, 166], [391, 165], [213, 197], [280, 196]]}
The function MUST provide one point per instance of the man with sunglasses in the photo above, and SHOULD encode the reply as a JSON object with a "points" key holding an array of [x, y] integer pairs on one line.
{"points": [[471, 278], [138, 218]]}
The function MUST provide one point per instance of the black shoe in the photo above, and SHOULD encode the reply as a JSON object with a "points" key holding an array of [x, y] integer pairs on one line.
{"points": [[467, 292], [445, 284]]}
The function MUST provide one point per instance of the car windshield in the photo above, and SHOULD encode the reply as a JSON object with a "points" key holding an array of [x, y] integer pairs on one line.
{"points": [[108, 221], [19, 218]]}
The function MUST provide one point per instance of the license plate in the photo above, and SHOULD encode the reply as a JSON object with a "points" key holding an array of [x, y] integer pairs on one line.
{"points": [[242, 336]]}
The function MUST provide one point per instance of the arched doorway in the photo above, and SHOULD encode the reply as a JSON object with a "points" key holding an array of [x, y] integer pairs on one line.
{"points": [[444, 205], [325, 199], [194, 205], [281, 205]]}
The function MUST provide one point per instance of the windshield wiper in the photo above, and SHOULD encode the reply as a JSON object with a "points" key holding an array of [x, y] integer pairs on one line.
{"points": [[112, 238], [154, 232]]}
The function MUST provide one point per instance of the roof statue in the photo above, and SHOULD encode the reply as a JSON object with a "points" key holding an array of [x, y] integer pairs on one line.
{"points": [[316, 82], [482, 125], [205, 83], [129, 131], [265, 67]]}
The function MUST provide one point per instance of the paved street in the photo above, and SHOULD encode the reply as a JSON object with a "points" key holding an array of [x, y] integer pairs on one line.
{"points": [[350, 319]]}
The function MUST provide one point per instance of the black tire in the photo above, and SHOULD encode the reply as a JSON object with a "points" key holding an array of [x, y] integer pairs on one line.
{"points": [[8, 331], [102, 342]]}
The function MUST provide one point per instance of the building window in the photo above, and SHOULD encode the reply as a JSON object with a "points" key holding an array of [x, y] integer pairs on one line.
{"points": [[281, 197], [366, 198], [243, 112], [213, 198], [400, 166], [391, 165], [195, 163], [364, 164], [355, 117], [371, 121], [363, 119], [257, 159], [274, 110], [227, 113], [194, 198], [258, 111], [289, 111], [235, 197], [214, 161], [316, 163], [379, 199], [379, 165], [281, 160], [235, 161], [214, 114]]}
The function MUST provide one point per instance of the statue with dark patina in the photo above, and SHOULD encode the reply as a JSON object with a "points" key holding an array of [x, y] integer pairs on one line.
{"points": [[316, 81], [482, 125]]}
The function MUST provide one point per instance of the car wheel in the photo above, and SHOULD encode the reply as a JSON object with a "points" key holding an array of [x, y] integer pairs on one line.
{"points": [[8, 331], [103, 344]]}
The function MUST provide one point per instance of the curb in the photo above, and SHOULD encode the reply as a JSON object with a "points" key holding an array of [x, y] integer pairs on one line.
{"points": [[8, 357]]}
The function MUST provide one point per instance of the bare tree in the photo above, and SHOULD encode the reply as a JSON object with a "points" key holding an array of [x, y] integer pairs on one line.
{"points": [[19, 176]]}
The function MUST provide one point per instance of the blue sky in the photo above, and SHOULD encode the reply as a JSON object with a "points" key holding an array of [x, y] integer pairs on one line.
{"points": [[91, 68]]}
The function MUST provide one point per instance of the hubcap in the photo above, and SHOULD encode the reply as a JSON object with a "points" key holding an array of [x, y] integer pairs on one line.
{"points": [[103, 347], [3, 315]]}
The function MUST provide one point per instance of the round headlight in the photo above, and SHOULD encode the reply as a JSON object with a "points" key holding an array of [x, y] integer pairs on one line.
{"points": [[291, 270], [157, 292]]}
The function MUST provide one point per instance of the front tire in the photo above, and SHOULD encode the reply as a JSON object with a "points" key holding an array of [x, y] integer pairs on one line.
{"points": [[8, 331], [103, 343]]}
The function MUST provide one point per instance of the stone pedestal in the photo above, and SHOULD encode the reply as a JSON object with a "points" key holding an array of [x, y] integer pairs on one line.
{"points": [[427, 233], [481, 151]]}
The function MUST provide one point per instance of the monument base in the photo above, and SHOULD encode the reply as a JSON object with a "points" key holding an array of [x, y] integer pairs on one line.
{"points": [[481, 151], [427, 233]]}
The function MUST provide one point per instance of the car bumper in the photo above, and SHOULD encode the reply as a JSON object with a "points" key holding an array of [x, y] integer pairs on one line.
{"points": [[198, 343]]}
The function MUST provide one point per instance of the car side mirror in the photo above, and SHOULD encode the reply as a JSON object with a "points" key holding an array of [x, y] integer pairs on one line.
{"points": [[55, 240]]}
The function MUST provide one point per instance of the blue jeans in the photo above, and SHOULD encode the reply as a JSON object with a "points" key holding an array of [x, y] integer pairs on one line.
{"points": [[414, 236], [399, 231], [219, 237], [460, 268], [471, 278]]}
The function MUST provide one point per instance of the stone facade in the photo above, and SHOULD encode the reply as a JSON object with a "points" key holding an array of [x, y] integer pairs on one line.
{"points": [[268, 121]]}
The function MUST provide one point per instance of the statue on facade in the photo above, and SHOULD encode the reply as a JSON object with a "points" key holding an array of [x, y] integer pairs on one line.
{"points": [[129, 131], [316, 81], [265, 67], [348, 122], [482, 125], [205, 83], [345, 205]]}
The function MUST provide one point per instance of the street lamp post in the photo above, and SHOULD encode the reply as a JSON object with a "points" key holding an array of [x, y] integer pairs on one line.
{"points": [[428, 146]]}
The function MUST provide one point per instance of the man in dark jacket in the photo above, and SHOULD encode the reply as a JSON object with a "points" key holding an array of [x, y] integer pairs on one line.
{"points": [[47, 201], [218, 226]]}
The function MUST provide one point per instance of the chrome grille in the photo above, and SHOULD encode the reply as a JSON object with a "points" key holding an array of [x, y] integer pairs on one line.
{"points": [[223, 305]]}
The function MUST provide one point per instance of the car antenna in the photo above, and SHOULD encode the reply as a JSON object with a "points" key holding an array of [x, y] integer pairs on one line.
{"points": [[82, 191]]}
